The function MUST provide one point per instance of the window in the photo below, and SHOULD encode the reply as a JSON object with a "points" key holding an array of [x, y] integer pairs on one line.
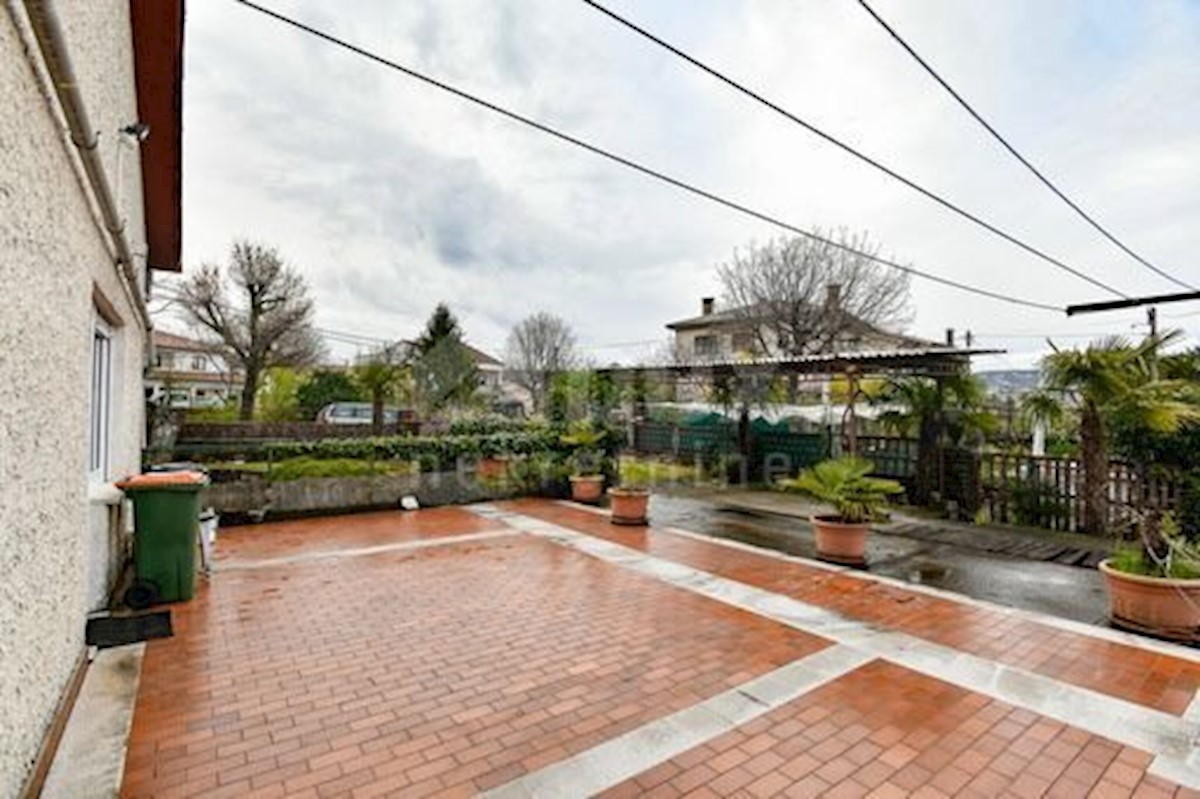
{"points": [[706, 346], [745, 342], [100, 409], [198, 362]]}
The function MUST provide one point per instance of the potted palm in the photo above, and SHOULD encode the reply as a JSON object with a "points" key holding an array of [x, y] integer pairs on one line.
{"points": [[630, 500], [1153, 582], [1154, 586], [587, 482], [857, 500]]}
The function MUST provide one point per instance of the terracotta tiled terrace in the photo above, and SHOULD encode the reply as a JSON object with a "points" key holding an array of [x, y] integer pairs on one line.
{"points": [[531, 648]]}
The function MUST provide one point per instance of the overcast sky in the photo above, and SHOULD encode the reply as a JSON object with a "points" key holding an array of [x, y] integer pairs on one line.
{"points": [[391, 196]]}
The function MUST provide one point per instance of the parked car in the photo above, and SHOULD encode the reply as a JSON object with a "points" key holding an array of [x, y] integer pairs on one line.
{"points": [[359, 413]]}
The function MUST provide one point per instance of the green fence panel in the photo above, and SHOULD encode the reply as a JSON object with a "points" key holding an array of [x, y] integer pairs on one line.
{"points": [[788, 452]]}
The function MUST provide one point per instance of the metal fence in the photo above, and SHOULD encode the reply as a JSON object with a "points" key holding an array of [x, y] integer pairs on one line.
{"points": [[1034, 491]]}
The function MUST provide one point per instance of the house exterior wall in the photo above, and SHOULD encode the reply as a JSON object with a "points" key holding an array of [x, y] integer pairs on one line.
{"points": [[734, 339], [61, 536], [191, 378]]}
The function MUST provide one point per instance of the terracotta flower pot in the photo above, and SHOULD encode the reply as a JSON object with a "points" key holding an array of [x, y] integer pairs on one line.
{"points": [[492, 468], [587, 487], [1163, 606], [841, 542], [629, 505]]}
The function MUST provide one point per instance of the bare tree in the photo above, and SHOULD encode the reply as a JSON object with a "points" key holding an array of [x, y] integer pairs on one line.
{"points": [[538, 347], [800, 296], [259, 307]]}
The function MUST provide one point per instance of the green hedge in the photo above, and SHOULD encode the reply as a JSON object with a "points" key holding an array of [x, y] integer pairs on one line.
{"points": [[488, 425], [433, 453]]}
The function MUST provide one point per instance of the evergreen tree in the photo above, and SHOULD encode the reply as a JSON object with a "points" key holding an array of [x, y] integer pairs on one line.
{"points": [[442, 326]]}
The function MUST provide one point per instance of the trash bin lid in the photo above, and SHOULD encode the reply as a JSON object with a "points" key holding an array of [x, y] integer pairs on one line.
{"points": [[163, 480], [177, 466]]}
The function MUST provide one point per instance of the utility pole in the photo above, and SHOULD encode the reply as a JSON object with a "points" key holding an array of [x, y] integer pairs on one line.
{"points": [[1152, 320]]}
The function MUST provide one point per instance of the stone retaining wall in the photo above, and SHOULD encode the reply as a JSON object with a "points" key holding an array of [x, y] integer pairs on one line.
{"points": [[253, 496]]}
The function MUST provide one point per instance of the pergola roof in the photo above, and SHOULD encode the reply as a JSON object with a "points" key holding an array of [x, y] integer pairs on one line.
{"points": [[925, 362]]}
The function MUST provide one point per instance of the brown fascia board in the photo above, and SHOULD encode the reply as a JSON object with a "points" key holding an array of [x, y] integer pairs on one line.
{"points": [[157, 28]]}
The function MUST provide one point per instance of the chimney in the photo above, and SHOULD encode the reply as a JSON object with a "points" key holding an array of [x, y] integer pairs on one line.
{"points": [[949, 337], [833, 296], [706, 306]]}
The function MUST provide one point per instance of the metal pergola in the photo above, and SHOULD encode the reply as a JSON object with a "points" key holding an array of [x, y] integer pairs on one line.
{"points": [[925, 362], [936, 362]]}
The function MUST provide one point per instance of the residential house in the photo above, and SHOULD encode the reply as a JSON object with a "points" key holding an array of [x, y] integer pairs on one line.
{"points": [[491, 371], [502, 394], [89, 206], [733, 333], [187, 373]]}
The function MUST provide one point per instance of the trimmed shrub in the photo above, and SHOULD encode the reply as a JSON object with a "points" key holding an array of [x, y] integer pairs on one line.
{"points": [[488, 425]]}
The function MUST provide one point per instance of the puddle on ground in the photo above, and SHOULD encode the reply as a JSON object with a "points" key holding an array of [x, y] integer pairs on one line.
{"points": [[1066, 591]]}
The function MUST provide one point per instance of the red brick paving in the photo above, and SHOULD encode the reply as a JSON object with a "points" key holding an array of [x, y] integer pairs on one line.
{"points": [[1137, 675], [301, 536], [434, 672], [445, 671], [871, 733]]}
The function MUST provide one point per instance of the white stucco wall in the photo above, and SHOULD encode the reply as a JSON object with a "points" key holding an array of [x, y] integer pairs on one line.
{"points": [[56, 547]]}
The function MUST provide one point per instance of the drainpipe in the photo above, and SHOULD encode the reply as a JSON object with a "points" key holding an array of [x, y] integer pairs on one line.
{"points": [[52, 43]]}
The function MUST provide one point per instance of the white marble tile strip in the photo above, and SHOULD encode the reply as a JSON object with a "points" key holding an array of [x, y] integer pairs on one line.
{"points": [[1125, 722], [1106, 634], [1174, 767], [400, 546], [90, 761], [618, 759]]}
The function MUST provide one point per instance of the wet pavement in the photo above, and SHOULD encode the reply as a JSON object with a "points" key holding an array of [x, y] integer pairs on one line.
{"points": [[1068, 592], [534, 649]]}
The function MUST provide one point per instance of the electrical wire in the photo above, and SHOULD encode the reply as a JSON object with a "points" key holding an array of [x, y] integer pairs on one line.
{"points": [[340, 336], [928, 193], [638, 167], [1014, 152]]}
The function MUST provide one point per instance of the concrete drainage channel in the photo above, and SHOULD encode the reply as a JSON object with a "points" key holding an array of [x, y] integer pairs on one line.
{"points": [[90, 761]]}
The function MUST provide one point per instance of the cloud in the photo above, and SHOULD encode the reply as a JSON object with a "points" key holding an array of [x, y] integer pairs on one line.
{"points": [[392, 196]]}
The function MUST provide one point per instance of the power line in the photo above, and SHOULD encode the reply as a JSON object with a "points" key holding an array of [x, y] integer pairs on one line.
{"points": [[340, 336], [620, 344], [937, 198], [637, 167], [1017, 155]]}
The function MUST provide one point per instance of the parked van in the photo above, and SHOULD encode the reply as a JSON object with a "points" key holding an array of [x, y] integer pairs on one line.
{"points": [[360, 413]]}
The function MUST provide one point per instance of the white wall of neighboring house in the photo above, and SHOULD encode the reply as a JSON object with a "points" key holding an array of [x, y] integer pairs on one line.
{"points": [[720, 342], [191, 378], [60, 536]]}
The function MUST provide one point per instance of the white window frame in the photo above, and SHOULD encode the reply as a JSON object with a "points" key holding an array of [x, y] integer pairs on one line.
{"points": [[100, 393]]}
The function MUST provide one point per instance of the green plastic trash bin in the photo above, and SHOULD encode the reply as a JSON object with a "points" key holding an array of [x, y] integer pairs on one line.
{"points": [[166, 520]]}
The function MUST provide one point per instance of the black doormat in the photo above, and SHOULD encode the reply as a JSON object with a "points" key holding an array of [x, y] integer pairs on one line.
{"points": [[120, 630]]}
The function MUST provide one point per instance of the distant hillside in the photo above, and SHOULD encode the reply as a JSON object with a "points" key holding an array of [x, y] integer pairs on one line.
{"points": [[1010, 382]]}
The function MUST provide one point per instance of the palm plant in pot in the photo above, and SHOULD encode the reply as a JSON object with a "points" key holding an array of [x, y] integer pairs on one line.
{"points": [[857, 500], [587, 481], [1154, 584], [630, 500], [1153, 580]]}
